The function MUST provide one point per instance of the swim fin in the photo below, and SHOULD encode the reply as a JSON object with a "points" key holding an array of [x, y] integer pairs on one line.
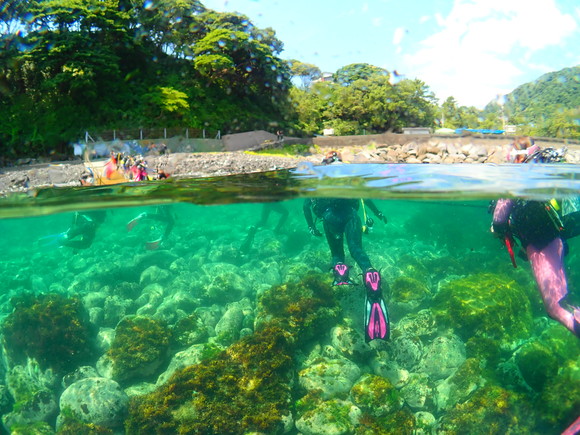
{"points": [[376, 315], [52, 240], [152, 246], [340, 272], [135, 221]]}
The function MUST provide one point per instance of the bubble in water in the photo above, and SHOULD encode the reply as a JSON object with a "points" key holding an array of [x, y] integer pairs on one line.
{"points": [[148, 5]]}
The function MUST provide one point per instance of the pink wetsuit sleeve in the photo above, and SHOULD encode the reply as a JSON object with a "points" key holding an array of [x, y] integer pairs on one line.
{"points": [[502, 211]]}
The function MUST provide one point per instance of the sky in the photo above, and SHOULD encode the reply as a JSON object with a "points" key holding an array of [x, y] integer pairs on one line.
{"points": [[473, 50]]}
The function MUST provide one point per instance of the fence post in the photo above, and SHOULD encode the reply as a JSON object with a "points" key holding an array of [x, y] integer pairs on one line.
{"points": [[203, 133], [164, 133], [114, 134], [141, 133], [187, 133]]}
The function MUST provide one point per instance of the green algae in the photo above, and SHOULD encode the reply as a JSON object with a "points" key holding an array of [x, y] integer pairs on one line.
{"points": [[244, 388], [52, 329], [140, 344], [491, 410], [485, 305], [407, 289], [303, 309]]}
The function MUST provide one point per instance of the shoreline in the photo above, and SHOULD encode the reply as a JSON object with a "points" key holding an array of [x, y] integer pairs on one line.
{"points": [[25, 178]]}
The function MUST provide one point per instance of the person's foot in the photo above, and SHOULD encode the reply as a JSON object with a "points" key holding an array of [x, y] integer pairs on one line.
{"points": [[372, 280], [340, 272]]}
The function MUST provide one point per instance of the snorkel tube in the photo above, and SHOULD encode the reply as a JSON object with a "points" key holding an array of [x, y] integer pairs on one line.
{"points": [[509, 243]]}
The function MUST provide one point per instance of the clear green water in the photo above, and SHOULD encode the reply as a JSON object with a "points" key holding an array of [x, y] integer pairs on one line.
{"points": [[526, 381]]}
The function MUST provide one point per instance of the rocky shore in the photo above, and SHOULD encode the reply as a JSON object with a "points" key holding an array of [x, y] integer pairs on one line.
{"points": [[197, 165]]}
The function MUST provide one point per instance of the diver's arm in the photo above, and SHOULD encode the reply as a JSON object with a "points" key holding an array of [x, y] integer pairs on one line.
{"points": [[375, 210], [501, 214], [308, 216]]}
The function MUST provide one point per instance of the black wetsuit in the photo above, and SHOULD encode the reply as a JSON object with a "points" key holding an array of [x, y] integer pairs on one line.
{"points": [[339, 218], [83, 229]]}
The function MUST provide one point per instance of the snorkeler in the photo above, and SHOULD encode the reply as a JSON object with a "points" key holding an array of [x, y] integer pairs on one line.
{"points": [[267, 209], [162, 214], [340, 218], [542, 227], [81, 233]]}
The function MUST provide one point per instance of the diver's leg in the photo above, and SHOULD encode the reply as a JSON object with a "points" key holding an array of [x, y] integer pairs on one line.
{"points": [[283, 212], [334, 237], [548, 267], [353, 232]]}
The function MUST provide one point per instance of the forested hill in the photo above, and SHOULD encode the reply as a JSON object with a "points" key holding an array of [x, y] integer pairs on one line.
{"points": [[547, 101]]}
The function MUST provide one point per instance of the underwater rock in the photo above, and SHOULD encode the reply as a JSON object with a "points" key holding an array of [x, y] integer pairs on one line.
{"points": [[420, 324], [491, 409], [303, 308], [96, 316], [417, 393], [32, 391], [50, 328], [41, 406], [151, 296], [560, 396], [442, 357], [334, 377], [459, 386], [425, 423], [37, 428], [189, 330], [155, 275], [140, 389], [350, 342], [330, 417], [485, 304], [383, 366], [244, 389], [223, 283], [80, 373], [99, 401], [227, 329], [537, 363], [115, 309], [376, 396], [190, 356], [140, 347], [105, 338], [407, 294], [175, 307], [94, 299], [406, 351]]}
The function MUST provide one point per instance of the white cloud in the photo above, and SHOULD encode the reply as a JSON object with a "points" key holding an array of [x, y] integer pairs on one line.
{"points": [[398, 35], [475, 55]]}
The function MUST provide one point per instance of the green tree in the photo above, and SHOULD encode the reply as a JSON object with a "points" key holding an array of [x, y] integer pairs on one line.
{"points": [[306, 72], [349, 74]]}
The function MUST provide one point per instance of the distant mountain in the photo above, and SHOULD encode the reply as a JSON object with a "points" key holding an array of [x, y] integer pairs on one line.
{"points": [[541, 99]]}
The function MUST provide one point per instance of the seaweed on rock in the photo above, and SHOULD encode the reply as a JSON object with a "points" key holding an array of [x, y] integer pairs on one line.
{"points": [[50, 328], [245, 388]]}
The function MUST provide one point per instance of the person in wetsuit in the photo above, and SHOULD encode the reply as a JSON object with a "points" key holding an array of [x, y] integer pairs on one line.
{"points": [[340, 220], [161, 215], [542, 227], [267, 209], [83, 229]]}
